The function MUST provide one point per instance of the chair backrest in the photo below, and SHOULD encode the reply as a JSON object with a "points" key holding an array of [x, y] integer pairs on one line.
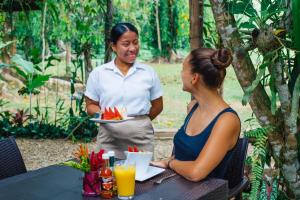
{"points": [[11, 161], [235, 170]]}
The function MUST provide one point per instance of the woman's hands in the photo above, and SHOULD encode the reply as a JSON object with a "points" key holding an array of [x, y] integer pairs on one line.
{"points": [[162, 163]]}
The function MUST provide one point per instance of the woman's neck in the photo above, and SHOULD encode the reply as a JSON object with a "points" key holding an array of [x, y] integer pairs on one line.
{"points": [[123, 67], [210, 101]]}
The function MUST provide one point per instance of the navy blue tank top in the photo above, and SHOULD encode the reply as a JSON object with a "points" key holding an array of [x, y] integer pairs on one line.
{"points": [[187, 148]]}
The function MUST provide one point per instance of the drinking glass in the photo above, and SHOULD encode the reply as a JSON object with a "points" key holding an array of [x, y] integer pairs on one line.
{"points": [[125, 177]]}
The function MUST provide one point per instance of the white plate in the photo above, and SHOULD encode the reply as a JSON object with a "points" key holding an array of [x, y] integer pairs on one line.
{"points": [[152, 171], [98, 120], [141, 160]]}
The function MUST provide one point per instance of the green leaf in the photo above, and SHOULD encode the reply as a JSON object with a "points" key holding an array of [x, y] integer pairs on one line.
{"points": [[242, 7], [73, 164], [27, 66], [265, 15], [274, 193], [54, 11], [264, 5], [247, 25], [38, 81], [21, 72], [263, 192], [49, 61]]}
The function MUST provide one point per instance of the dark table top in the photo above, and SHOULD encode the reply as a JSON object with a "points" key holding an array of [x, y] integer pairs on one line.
{"points": [[64, 183]]}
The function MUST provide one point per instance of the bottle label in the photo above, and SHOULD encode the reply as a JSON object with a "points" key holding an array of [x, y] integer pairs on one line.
{"points": [[107, 183], [107, 187]]}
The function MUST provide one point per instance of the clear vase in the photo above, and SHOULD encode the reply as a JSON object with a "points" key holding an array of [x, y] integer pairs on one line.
{"points": [[91, 184]]}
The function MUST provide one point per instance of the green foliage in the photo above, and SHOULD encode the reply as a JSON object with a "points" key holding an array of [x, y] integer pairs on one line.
{"points": [[269, 191], [76, 125], [73, 164], [210, 35], [258, 158], [173, 22], [33, 79], [80, 127], [2, 45], [268, 60], [296, 31]]}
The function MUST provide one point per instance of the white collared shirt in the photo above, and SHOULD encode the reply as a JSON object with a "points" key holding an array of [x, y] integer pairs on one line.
{"points": [[133, 92]]}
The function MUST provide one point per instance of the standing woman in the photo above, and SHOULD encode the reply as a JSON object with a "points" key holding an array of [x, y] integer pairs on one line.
{"points": [[127, 84], [203, 145]]}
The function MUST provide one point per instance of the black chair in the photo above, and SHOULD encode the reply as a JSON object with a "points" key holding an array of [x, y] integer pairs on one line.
{"points": [[11, 161], [237, 182]]}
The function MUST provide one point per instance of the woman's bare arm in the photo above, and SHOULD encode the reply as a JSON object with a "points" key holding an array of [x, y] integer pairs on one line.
{"points": [[156, 108], [92, 106], [223, 138]]}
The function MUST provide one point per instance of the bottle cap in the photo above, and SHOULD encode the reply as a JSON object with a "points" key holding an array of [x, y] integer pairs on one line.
{"points": [[105, 156], [111, 153]]}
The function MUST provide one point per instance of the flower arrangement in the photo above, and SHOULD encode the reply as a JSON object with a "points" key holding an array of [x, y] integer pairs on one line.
{"points": [[86, 162]]}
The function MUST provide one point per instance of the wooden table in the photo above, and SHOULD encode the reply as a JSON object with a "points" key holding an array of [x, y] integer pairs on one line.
{"points": [[64, 183]]}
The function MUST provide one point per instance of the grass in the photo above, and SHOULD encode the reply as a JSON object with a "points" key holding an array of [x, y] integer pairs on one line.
{"points": [[175, 100]]}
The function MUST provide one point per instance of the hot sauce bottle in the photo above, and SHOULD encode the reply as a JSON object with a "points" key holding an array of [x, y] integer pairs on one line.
{"points": [[111, 155], [106, 178]]}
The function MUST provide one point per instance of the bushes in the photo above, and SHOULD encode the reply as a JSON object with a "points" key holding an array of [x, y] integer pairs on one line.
{"points": [[77, 127]]}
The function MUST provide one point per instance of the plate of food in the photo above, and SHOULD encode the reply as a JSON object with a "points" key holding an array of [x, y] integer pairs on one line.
{"points": [[110, 115]]}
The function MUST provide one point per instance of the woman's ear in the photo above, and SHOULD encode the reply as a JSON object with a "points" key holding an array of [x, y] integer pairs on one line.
{"points": [[196, 78], [113, 47]]}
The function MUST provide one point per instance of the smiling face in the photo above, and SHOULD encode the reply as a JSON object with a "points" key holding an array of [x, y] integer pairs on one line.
{"points": [[127, 48]]}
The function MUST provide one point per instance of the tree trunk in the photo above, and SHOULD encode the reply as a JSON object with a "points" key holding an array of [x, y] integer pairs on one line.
{"points": [[259, 100], [158, 29], [68, 58], [43, 36], [196, 23], [68, 48], [107, 28], [8, 51], [87, 59], [171, 52]]}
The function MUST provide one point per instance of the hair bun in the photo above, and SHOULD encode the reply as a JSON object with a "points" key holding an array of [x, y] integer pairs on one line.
{"points": [[221, 58]]}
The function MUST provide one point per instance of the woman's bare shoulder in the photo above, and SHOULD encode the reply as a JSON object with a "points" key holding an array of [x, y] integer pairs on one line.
{"points": [[191, 105]]}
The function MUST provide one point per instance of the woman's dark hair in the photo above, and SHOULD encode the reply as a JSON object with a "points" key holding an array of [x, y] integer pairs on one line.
{"points": [[119, 29], [211, 64]]}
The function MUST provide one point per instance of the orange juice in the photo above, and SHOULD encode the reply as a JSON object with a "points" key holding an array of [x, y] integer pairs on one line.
{"points": [[125, 177]]}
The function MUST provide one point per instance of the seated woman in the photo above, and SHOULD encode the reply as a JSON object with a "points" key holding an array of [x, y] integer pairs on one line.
{"points": [[203, 145]]}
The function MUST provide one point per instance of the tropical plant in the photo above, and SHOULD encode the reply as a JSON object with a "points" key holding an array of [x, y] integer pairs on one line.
{"points": [[86, 162], [270, 77], [33, 77], [258, 158]]}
